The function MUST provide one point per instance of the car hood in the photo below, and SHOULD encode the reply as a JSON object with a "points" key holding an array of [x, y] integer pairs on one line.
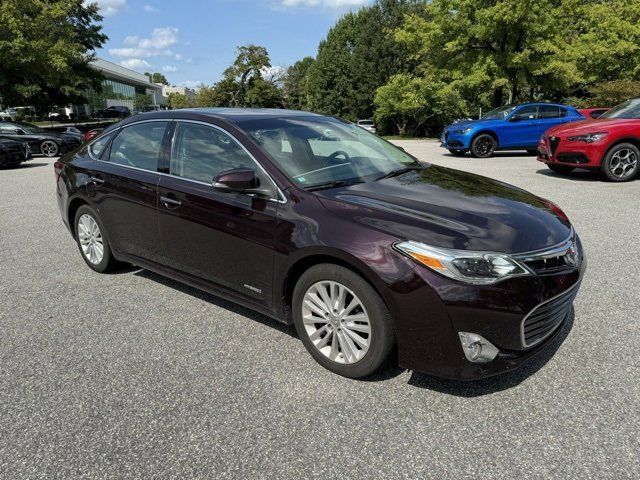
{"points": [[592, 126], [452, 209], [473, 123]]}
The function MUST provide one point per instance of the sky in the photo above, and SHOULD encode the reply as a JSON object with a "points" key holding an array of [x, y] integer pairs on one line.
{"points": [[193, 41]]}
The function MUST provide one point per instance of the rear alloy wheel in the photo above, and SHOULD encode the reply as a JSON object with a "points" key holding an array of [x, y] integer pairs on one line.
{"points": [[458, 152], [620, 164], [92, 242], [563, 169], [342, 321], [49, 148], [483, 146]]}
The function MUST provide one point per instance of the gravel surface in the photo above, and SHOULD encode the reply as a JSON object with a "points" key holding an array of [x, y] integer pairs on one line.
{"points": [[132, 375]]}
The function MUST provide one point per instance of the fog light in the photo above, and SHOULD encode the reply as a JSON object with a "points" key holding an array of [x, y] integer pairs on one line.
{"points": [[476, 348]]}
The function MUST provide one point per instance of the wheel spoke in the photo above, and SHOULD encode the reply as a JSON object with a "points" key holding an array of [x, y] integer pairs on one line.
{"points": [[324, 340], [315, 308], [358, 327], [356, 338], [318, 333]]}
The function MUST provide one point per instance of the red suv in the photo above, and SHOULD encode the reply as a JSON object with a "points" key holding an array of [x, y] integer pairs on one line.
{"points": [[610, 144]]}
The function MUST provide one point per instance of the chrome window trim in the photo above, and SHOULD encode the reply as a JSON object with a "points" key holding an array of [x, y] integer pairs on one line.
{"points": [[282, 199], [563, 293]]}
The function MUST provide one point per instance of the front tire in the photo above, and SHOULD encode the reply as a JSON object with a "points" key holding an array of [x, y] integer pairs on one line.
{"points": [[483, 146], [49, 148], [621, 163], [562, 169], [92, 241], [342, 321]]}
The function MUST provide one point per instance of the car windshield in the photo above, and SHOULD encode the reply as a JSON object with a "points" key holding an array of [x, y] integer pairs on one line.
{"points": [[499, 113], [628, 109], [27, 127], [323, 151]]}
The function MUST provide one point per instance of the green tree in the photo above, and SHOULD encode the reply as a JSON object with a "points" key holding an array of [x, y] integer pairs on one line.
{"points": [[157, 77], [45, 51], [359, 55], [408, 102], [177, 100], [242, 84], [141, 101], [296, 84]]}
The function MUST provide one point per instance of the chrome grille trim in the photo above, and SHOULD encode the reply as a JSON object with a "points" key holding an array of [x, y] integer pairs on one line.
{"points": [[546, 317]]}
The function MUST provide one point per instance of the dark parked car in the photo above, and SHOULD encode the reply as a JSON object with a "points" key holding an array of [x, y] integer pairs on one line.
{"points": [[13, 153], [115, 111], [317, 222], [512, 127], [71, 131], [50, 144]]}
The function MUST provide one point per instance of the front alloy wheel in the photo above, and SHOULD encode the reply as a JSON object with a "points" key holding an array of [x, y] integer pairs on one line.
{"points": [[621, 163], [336, 322], [342, 321], [483, 146], [49, 148]]}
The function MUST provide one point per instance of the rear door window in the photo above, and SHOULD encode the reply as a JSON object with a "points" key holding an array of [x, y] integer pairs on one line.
{"points": [[548, 111], [139, 145]]}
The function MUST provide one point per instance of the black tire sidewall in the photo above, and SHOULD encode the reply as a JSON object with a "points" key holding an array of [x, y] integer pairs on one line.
{"points": [[607, 158], [108, 262], [382, 332], [475, 142]]}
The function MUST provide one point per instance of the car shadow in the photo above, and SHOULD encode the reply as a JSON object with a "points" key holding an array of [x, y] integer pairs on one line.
{"points": [[498, 383], [23, 165], [494, 155], [217, 301], [579, 175]]}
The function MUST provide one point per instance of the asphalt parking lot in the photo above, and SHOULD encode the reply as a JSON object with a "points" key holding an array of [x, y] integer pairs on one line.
{"points": [[132, 375]]}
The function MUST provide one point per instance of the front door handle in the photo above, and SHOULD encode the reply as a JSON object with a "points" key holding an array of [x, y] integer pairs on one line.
{"points": [[96, 180], [168, 201]]}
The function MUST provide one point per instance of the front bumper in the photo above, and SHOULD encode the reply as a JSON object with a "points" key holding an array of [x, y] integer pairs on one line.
{"points": [[561, 151], [451, 140], [431, 310]]}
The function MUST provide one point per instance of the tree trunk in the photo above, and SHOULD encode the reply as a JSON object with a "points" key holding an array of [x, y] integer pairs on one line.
{"points": [[497, 97], [401, 125]]}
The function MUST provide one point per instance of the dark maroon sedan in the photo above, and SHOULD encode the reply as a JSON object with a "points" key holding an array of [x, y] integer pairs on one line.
{"points": [[314, 221]]}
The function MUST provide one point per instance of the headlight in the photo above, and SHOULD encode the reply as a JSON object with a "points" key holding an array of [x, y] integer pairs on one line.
{"points": [[462, 131], [588, 138], [478, 268]]}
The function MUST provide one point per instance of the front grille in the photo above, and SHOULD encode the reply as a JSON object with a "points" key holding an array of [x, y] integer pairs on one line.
{"points": [[553, 144], [551, 264], [544, 319]]}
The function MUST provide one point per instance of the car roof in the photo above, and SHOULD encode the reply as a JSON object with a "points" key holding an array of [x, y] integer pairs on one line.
{"points": [[235, 115], [538, 104]]}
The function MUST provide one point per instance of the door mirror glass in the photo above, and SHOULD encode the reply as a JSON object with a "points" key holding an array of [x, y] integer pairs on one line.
{"points": [[242, 180], [19, 132]]}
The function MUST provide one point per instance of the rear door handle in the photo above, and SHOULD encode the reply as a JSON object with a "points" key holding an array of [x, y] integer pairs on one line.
{"points": [[168, 201]]}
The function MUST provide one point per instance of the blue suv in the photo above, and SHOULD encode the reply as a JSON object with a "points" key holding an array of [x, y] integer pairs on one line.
{"points": [[512, 127]]}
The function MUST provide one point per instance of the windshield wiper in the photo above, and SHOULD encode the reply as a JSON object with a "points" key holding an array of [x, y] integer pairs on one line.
{"points": [[334, 184], [400, 171]]}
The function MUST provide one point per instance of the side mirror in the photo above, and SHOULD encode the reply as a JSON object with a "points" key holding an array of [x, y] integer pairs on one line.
{"points": [[240, 180], [19, 132]]}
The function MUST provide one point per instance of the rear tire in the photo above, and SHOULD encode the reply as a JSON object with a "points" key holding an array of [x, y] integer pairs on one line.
{"points": [[483, 146], [458, 152], [562, 169], [92, 241], [621, 163], [320, 328]]}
